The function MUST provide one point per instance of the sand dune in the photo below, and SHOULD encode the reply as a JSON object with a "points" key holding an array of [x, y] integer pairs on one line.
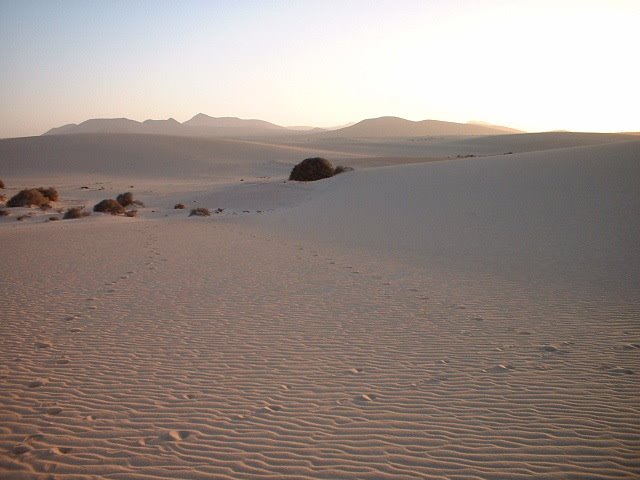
{"points": [[399, 127], [469, 318]]}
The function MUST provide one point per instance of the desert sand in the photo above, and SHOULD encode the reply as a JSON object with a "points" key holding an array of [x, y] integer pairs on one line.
{"points": [[423, 316]]}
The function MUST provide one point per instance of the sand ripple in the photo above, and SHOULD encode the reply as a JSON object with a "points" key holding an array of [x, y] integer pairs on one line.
{"points": [[206, 350]]}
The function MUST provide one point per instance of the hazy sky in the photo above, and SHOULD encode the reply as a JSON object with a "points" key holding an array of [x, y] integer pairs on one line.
{"points": [[531, 64]]}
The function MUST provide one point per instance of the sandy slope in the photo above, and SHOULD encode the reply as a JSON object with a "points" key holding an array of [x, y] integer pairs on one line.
{"points": [[472, 318]]}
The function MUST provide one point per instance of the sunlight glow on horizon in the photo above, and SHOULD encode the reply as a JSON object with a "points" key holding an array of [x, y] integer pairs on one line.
{"points": [[532, 65]]}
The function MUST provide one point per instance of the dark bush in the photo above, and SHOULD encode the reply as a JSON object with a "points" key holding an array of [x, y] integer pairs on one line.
{"points": [[125, 199], [200, 212], [28, 197], [109, 206], [4, 213], [179, 206], [50, 193], [312, 169], [75, 212], [1, 183]]}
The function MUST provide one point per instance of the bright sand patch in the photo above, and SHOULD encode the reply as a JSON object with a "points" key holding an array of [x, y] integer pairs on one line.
{"points": [[288, 345]]}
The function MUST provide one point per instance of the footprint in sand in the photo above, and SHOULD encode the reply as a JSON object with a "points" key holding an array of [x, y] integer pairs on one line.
{"points": [[617, 370], [549, 348], [63, 361], [60, 450], [38, 383], [365, 398], [175, 435], [20, 449], [43, 345], [53, 411], [269, 409], [75, 330], [69, 318], [499, 369]]}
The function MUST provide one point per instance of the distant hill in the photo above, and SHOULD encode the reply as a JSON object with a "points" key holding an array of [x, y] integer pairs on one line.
{"points": [[202, 125], [399, 127]]}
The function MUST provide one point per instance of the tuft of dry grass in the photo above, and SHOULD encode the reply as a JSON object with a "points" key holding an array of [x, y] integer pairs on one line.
{"points": [[179, 206], [200, 212], [109, 205], [1, 183], [75, 212], [27, 198], [4, 213], [50, 193]]}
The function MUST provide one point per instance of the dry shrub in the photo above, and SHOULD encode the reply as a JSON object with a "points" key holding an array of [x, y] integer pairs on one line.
{"points": [[4, 213], [131, 213], [200, 212], [28, 197], [125, 199], [179, 206], [54, 218], [312, 169], [50, 193], [109, 205], [75, 212], [1, 183], [3, 198]]}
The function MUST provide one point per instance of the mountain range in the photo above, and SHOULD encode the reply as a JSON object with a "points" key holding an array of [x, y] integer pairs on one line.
{"points": [[202, 125]]}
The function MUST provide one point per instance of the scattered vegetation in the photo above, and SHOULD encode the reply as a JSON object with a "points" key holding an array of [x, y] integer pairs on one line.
{"points": [[316, 168], [126, 199], [109, 205], [54, 218], [27, 198], [179, 206], [75, 212], [4, 213], [50, 193], [1, 183], [200, 212]]}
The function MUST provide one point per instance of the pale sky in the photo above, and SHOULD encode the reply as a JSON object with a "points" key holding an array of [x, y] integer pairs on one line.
{"points": [[530, 64]]}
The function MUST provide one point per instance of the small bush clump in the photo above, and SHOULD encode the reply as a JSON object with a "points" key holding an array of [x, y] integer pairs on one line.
{"points": [[109, 205], [1, 183], [27, 198], [179, 206], [4, 213], [125, 199], [312, 169], [50, 193], [75, 212], [200, 212]]}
